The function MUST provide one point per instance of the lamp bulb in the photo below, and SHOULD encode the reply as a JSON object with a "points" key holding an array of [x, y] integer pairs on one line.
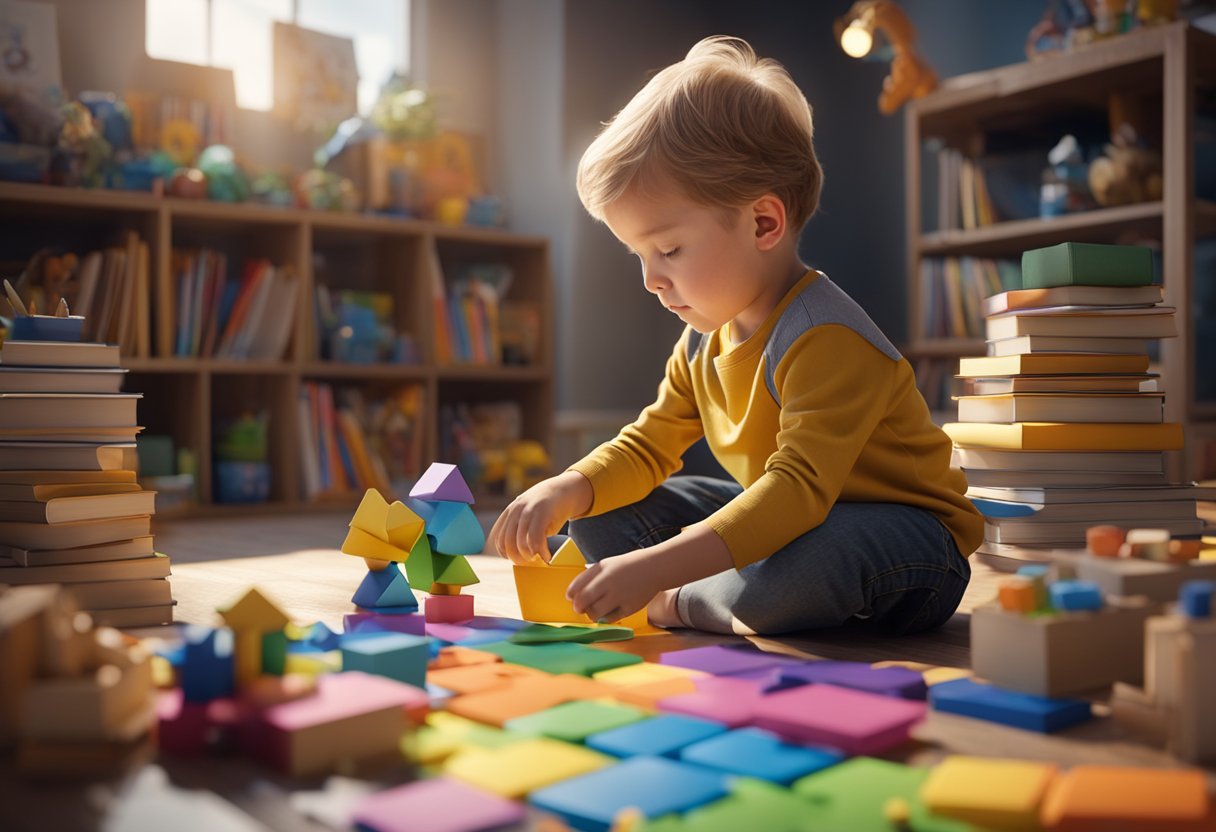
{"points": [[856, 40]]}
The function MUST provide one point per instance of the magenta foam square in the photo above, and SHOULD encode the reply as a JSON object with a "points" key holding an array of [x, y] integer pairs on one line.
{"points": [[448, 609], [726, 660], [363, 622], [853, 721], [442, 481], [436, 805], [731, 702], [344, 695], [888, 681]]}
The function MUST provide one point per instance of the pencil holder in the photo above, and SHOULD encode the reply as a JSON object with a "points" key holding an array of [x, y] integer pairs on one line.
{"points": [[46, 328]]}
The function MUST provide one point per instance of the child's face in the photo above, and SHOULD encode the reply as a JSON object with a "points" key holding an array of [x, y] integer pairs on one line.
{"points": [[701, 263]]}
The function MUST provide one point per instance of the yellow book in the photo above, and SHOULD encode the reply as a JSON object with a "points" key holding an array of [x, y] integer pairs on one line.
{"points": [[1052, 364], [1067, 436]]}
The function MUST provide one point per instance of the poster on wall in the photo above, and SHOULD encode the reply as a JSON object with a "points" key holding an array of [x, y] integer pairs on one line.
{"points": [[29, 47], [316, 79]]}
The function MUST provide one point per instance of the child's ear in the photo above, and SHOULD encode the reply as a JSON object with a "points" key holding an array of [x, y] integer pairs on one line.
{"points": [[768, 213]]}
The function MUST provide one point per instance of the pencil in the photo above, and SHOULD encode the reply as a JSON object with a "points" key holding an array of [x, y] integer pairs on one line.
{"points": [[14, 299]]}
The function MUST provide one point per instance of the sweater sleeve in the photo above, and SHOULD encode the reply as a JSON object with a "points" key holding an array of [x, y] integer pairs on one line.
{"points": [[834, 388], [645, 453]]}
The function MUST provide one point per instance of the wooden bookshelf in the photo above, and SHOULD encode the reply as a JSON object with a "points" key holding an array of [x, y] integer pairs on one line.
{"points": [[186, 397], [1163, 67]]}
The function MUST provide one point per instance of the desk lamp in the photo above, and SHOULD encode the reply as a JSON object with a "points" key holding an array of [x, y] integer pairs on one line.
{"points": [[911, 76]]}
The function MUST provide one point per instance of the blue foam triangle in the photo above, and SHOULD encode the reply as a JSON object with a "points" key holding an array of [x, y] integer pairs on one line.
{"points": [[385, 588], [454, 530]]}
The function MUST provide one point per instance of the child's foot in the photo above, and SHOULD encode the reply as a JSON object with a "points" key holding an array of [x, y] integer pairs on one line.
{"points": [[662, 611]]}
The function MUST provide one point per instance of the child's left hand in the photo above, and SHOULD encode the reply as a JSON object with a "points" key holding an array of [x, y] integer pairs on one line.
{"points": [[613, 588]]}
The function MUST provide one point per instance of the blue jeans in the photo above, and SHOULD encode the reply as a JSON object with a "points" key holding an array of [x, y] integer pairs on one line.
{"points": [[887, 566]]}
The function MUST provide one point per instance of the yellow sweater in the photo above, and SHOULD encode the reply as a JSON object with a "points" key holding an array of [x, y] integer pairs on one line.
{"points": [[851, 426]]}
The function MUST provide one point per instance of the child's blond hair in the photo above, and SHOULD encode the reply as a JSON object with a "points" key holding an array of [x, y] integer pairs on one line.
{"points": [[723, 125]]}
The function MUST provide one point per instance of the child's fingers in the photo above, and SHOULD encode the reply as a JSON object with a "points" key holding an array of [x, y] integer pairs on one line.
{"points": [[538, 536]]}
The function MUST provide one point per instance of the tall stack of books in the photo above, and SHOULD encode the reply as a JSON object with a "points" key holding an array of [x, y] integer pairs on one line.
{"points": [[71, 510], [1064, 428]]}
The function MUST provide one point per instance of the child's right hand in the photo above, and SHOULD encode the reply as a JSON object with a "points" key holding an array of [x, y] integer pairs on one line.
{"points": [[522, 530]]}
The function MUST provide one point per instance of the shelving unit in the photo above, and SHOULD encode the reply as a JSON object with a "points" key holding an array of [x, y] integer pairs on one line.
{"points": [[187, 397], [1162, 67]]}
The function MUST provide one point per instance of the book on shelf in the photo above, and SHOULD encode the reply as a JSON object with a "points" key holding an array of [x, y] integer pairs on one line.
{"points": [[953, 290], [1099, 383], [471, 300], [130, 569], [67, 354], [1097, 513], [136, 547], [59, 410], [1071, 534], [1043, 495], [1026, 344], [42, 491], [1013, 478], [1060, 407], [1051, 364], [1097, 462], [1068, 436], [67, 456], [1087, 264], [60, 380], [71, 434], [50, 479], [145, 616], [1073, 295], [26, 535], [73, 509], [141, 592], [1085, 322]]}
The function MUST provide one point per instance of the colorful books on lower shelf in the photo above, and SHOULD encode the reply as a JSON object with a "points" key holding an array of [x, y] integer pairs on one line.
{"points": [[475, 323], [1061, 435], [71, 509]]}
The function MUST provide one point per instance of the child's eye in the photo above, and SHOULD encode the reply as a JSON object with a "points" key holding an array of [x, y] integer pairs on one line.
{"points": [[670, 254]]}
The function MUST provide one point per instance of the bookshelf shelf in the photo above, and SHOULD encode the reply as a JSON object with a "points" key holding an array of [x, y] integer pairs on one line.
{"points": [[190, 397], [1159, 69]]}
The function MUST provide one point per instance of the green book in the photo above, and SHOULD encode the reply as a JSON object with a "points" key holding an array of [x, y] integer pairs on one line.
{"points": [[1087, 264]]}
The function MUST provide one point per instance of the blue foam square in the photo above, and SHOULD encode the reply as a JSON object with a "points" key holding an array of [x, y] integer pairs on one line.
{"points": [[752, 752], [395, 655], [661, 736], [1075, 596], [967, 697]]}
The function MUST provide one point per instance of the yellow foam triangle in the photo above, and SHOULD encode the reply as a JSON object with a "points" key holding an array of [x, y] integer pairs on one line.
{"points": [[403, 526], [372, 515], [568, 554], [363, 545]]}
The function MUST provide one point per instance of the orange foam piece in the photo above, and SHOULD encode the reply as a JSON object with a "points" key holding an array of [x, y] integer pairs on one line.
{"points": [[527, 695], [1104, 541], [1017, 595], [649, 694], [1184, 550], [476, 678], [1088, 798], [456, 656]]}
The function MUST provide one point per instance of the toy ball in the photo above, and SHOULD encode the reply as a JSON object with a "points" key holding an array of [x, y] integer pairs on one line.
{"points": [[188, 183], [226, 181]]}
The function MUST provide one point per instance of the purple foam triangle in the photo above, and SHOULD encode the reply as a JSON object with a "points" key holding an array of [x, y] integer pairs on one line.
{"points": [[726, 660], [888, 681], [442, 481]]}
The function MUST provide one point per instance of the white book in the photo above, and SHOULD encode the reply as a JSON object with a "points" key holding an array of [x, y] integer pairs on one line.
{"points": [[1114, 494], [136, 547], [1095, 461], [59, 354], [1084, 322], [1059, 407], [1025, 344], [61, 410], [272, 335], [60, 380], [1000, 478], [1140, 383], [309, 447], [1070, 534], [1124, 513], [257, 311]]}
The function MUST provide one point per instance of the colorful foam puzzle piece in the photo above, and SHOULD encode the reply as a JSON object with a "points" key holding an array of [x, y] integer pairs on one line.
{"points": [[751, 752], [1090, 797], [448, 609], [367, 622], [727, 659], [382, 531], [732, 702], [321, 636], [968, 697], [660, 736], [476, 678], [525, 695], [425, 568], [454, 529], [361, 544], [575, 721], [1075, 596], [442, 481], [207, 664], [254, 612], [563, 657], [274, 653], [888, 681], [541, 588], [646, 673], [457, 656], [436, 805], [852, 795], [652, 785], [385, 589], [851, 720], [515, 770], [393, 655], [568, 554], [546, 634], [444, 734], [751, 804], [989, 792]]}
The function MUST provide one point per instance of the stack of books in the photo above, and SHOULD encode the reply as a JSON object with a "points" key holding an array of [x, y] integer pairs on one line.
{"points": [[71, 510], [1065, 427]]}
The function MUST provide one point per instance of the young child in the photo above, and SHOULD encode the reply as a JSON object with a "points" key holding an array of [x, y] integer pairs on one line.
{"points": [[844, 507]]}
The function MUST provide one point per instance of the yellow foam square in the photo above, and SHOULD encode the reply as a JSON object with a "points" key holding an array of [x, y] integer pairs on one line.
{"points": [[990, 792], [518, 769], [645, 673]]}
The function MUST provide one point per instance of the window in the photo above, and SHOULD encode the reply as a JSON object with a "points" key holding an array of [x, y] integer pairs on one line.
{"points": [[237, 35]]}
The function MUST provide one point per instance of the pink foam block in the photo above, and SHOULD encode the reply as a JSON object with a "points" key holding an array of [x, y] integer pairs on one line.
{"points": [[853, 721], [448, 609], [442, 482], [437, 805], [731, 702], [343, 696]]}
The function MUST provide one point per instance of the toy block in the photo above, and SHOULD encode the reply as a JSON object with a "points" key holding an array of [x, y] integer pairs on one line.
{"points": [[183, 728], [275, 690], [520, 768], [1104, 541], [322, 637], [163, 674], [649, 696], [853, 794], [94, 760], [110, 703], [660, 736], [991, 793], [751, 804], [444, 734], [1075, 596], [1150, 544], [444, 589], [457, 656], [385, 590], [575, 721], [246, 657], [541, 588], [1059, 654], [425, 568], [454, 529], [568, 554], [1017, 594], [274, 653], [394, 655], [450, 609], [253, 612], [562, 657], [1195, 599], [313, 663], [22, 611], [524, 696], [352, 716], [1037, 574], [1155, 580], [751, 752], [372, 549], [368, 622], [442, 481], [635, 675], [851, 720], [394, 523], [437, 805], [967, 697], [67, 637], [1181, 551], [465, 635], [653, 786], [730, 701], [548, 634], [476, 678], [207, 666], [726, 659], [374, 565], [1093, 797], [888, 681]]}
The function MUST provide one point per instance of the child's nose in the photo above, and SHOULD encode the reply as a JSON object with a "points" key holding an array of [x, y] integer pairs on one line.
{"points": [[653, 279]]}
